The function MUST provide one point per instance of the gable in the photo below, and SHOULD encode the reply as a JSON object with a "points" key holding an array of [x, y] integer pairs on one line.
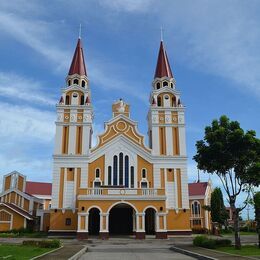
{"points": [[121, 127]]}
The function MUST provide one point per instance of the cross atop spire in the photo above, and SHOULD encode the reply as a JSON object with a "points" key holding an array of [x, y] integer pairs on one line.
{"points": [[163, 68], [80, 31], [78, 63], [161, 34]]}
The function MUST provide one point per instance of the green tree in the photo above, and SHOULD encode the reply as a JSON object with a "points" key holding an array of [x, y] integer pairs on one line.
{"points": [[217, 207], [257, 214], [231, 154]]}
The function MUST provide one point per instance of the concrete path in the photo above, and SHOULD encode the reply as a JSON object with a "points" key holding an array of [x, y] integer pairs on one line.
{"points": [[130, 249]]}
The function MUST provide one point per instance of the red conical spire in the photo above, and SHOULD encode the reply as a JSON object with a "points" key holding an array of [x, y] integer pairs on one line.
{"points": [[163, 68], [78, 64]]}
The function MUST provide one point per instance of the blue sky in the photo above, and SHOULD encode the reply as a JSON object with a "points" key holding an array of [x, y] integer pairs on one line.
{"points": [[213, 48]]}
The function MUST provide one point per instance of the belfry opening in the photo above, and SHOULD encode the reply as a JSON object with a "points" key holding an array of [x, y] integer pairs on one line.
{"points": [[121, 220]]}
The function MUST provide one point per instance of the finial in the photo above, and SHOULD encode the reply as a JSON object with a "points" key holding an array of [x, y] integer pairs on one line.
{"points": [[161, 34], [80, 31]]}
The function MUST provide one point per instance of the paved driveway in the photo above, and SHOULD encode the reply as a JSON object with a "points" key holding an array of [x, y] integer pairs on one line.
{"points": [[129, 249]]}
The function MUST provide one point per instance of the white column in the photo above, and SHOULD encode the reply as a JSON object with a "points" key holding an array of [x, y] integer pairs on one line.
{"points": [[155, 136], [176, 189], [182, 140], [72, 139], [79, 222], [85, 139], [169, 142], [58, 139], [86, 222]]}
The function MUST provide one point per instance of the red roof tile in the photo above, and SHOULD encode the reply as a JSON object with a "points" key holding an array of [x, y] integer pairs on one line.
{"points": [[163, 68], [198, 188], [38, 188], [78, 63]]}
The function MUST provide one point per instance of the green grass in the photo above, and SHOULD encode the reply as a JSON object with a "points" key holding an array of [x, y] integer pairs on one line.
{"points": [[17, 234], [245, 250], [21, 252]]}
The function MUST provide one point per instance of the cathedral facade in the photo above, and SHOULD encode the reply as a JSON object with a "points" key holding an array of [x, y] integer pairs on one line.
{"points": [[120, 186]]}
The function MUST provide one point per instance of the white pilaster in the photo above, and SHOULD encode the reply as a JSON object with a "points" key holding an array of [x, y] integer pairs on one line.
{"points": [[72, 139], [169, 142]]}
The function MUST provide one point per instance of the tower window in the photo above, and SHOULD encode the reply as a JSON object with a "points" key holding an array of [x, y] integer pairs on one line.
{"points": [[69, 82], [159, 101], [171, 85], [166, 97], [144, 173], [67, 101], [97, 173], [165, 84], [83, 83], [76, 81], [82, 100], [158, 85], [75, 95]]}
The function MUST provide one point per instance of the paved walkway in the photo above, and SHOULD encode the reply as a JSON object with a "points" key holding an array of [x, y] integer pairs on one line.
{"points": [[130, 249]]}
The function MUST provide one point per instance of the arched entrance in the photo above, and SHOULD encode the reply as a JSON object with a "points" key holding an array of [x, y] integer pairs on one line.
{"points": [[121, 219], [150, 221], [94, 221]]}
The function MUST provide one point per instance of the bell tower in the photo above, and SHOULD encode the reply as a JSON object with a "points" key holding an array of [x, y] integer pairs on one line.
{"points": [[74, 111], [166, 126], [73, 134]]}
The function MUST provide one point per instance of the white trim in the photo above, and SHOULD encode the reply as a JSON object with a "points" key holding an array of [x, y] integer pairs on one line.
{"points": [[6, 205], [107, 197], [147, 207], [122, 202], [93, 206]]}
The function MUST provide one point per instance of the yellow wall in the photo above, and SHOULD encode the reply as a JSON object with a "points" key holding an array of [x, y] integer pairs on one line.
{"points": [[142, 163], [99, 163], [180, 220], [57, 220]]}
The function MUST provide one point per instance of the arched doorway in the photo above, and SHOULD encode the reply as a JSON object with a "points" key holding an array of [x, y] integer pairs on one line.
{"points": [[94, 221], [121, 219], [150, 221]]}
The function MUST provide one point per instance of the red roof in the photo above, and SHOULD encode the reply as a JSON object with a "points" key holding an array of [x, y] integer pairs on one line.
{"points": [[38, 188], [78, 64], [198, 188], [163, 68]]}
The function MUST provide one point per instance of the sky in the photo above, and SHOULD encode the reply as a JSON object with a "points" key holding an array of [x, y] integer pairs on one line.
{"points": [[213, 48]]}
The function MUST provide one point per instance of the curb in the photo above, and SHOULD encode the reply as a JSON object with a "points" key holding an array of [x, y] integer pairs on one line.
{"points": [[38, 256], [79, 253], [192, 254]]}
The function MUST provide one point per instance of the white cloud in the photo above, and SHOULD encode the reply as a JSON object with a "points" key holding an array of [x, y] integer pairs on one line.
{"points": [[25, 123], [221, 38], [17, 87]]}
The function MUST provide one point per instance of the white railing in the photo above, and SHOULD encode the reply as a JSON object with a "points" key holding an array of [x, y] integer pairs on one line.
{"points": [[147, 192]]}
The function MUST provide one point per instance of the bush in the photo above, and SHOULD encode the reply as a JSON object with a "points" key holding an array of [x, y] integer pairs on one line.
{"points": [[43, 243], [223, 242], [205, 242]]}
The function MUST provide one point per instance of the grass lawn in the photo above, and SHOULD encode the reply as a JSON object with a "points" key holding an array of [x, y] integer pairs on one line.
{"points": [[32, 235], [21, 252], [245, 251]]}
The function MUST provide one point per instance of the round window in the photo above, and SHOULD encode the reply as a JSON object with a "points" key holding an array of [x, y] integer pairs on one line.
{"points": [[75, 95], [166, 97]]}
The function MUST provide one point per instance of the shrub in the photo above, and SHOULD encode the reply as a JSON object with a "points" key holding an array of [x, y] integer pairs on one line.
{"points": [[203, 241], [43, 243], [223, 242]]}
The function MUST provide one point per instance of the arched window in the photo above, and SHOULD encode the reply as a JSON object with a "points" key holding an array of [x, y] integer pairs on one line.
{"points": [[165, 84], [174, 101], [144, 185], [82, 100], [97, 173], [115, 170], [159, 101], [171, 85], [69, 82], [121, 169], [83, 83], [67, 100], [132, 177], [126, 171], [144, 173], [195, 208], [158, 85], [76, 81], [109, 175]]}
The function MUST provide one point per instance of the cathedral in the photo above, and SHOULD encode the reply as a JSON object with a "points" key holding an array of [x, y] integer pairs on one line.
{"points": [[120, 186]]}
